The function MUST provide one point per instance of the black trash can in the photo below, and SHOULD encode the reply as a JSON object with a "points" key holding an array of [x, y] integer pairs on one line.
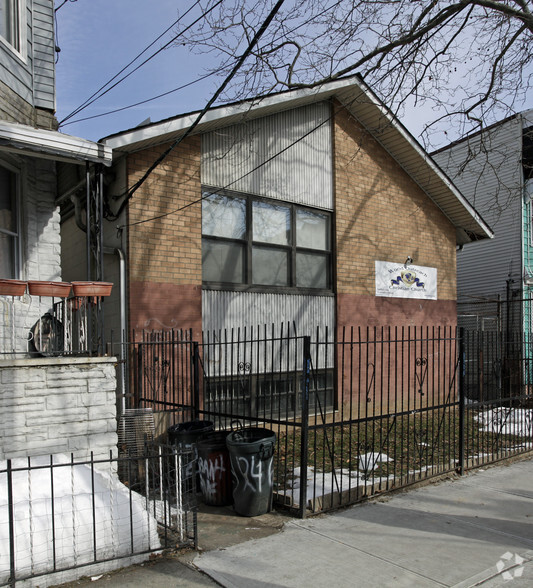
{"points": [[252, 466], [185, 435], [214, 469]]}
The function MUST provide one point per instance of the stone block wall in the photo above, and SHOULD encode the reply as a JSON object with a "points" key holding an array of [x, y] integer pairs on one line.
{"points": [[15, 109], [41, 251], [58, 405]]}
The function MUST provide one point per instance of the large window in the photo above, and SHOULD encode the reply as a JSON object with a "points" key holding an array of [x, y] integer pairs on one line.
{"points": [[10, 24], [258, 243], [9, 230]]}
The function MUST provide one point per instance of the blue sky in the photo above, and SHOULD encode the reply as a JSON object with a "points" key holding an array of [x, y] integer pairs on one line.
{"points": [[98, 38]]}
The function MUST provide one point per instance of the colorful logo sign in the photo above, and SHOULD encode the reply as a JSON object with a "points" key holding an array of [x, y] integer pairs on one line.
{"points": [[405, 281]]}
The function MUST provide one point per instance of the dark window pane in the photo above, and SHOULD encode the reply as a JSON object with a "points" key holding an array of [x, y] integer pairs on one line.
{"points": [[271, 223], [312, 270], [7, 257], [8, 219], [270, 266], [9, 22], [222, 262], [223, 216], [312, 230]]}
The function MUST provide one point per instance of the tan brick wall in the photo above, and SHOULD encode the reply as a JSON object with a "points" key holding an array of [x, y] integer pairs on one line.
{"points": [[381, 214], [169, 249]]}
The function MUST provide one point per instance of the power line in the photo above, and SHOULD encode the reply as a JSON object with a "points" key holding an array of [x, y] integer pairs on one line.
{"points": [[200, 79], [196, 122], [63, 4], [182, 87], [227, 186], [98, 94]]}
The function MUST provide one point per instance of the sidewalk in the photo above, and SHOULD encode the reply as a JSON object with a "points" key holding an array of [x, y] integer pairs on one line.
{"points": [[473, 531]]}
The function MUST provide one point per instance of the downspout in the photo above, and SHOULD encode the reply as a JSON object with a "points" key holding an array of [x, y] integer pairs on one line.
{"points": [[122, 262]]}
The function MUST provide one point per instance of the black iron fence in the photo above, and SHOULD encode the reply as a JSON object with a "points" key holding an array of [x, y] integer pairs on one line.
{"points": [[362, 413], [57, 514]]}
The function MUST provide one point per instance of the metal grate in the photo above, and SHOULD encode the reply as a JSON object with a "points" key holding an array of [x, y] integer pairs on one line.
{"points": [[136, 428]]}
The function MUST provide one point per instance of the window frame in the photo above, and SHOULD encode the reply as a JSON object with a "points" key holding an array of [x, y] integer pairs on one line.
{"points": [[18, 28], [18, 221], [292, 249]]}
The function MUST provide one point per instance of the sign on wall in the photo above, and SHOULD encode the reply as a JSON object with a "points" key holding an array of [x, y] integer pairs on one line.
{"points": [[406, 281]]}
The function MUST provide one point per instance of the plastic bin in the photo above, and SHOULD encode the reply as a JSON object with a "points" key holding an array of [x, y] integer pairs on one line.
{"points": [[252, 455], [214, 469], [186, 435]]}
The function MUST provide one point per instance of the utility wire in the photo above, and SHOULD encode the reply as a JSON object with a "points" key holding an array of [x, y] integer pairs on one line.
{"points": [[63, 4], [196, 122], [200, 79], [98, 94], [227, 186], [212, 73]]}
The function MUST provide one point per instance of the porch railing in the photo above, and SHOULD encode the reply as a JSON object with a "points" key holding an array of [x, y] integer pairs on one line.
{"points": [[43, 318]]}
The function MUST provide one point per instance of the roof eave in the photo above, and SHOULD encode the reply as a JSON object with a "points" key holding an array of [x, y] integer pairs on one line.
{"points": [[357, 97], [41, 143]]}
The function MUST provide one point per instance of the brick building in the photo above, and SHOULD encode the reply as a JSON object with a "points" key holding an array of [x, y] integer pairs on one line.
{"points": [[301, 207]]}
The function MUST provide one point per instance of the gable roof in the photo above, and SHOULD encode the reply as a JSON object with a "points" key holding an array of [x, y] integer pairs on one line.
{"points": [[363, 105]]}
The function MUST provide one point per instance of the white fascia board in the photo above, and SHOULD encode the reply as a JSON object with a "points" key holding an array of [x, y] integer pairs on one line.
{"points": [[171, 129], [254, 107], [426, 159], [26, 140]]}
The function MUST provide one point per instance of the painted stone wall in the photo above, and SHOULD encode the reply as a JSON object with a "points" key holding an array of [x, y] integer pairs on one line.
{"points": [[41, 249], [58, 405]]}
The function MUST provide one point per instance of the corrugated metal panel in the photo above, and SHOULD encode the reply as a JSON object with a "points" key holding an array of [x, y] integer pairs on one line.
{"points": [[362, 104], [226, 310], [487, 170], [285, 156], [243, 316], [43, 54]]}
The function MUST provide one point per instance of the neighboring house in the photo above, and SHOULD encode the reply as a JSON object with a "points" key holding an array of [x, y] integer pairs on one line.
{"points": [[47, 404], [494, 170], [302, 207]]}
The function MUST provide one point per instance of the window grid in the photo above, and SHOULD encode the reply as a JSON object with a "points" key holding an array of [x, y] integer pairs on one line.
{"points": [[292, 250]]}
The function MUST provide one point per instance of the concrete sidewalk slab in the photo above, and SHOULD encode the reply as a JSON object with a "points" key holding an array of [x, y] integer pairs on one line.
{"points": [[454, 533]]}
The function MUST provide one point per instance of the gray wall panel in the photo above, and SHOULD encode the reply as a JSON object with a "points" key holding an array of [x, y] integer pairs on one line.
{"points": [[302, 172], [44, 54], [487, 170], [234, 316], [226, 310]]}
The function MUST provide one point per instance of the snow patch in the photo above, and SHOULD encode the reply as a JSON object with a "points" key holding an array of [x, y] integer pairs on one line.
{"points": [[507, 421], [60, 530]]}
